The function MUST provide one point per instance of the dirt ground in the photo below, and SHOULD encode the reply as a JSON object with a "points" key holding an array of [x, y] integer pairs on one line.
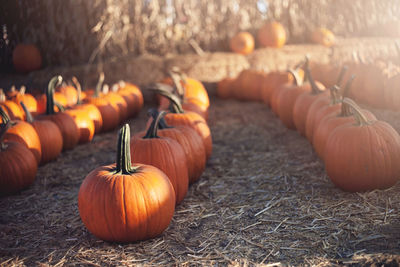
{"points": [[264, 198]]}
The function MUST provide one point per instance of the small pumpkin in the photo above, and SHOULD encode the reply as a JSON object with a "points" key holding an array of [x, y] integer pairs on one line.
{"points": [[22, 132], [178, 116], [13, 110], [64, 122], [21, 96], [242, 43], [18, 164], [133, 97], [126, 202], [26, 58], [272, 34], [364, 155], [323, 36], [163, 153], [51, 140], [70, 93], [190, 141]]}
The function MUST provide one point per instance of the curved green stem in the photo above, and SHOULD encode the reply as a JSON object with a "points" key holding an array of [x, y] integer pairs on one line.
{"points": [[314, 88], [124, 164], [359, 116], [78, 89], [347, 87], [176, 79], [54, 82], [162, 124], [99, 85], [4, 116], [3, 129], [28, 114], [342, 72], [152, 131], [162, 89]]}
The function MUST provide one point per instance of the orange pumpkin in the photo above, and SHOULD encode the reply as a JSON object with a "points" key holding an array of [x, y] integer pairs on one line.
{"points": [[13, 110], [126, 202], [323, 36], [272, 34], [242, 43]]}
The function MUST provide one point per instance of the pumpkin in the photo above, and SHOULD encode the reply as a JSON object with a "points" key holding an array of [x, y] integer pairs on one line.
{"points": [[323, 106], [18, 164], [109, 113], [242, 43], [59, 99], [126, 202], [364, 155], [190, 141], [70, 93], [224, 87], [248, 85], [91, 110], [331, 121], [13, 110], [180, 117], [51, 141], [276, 81], [304, 101], [21, 96], [22, 132], [117, 101], [163, 153], [323, 36], [133, 97], [272, 34], [84, 123], [26, 58], [64, 122]]}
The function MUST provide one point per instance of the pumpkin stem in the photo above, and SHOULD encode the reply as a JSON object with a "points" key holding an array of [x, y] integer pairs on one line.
{"points": [[29, 117], [124, 164], [99, 85], [314, 88], [296, 76], [54, 82], [78, 89], [152, 131], [22, 90], [59, 106], [359, 116], [3, 129], [334, 94], [176, 79], [347, 87], [2, 96], [162, 124], [4, 116], [162, 89], [342, 72]]}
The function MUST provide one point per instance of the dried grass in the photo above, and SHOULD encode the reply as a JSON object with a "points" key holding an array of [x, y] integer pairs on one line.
{"points": [[82, 31], [263, 199]]}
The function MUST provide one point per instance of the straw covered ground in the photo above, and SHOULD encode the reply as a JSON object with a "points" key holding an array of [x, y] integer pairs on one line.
{"points": [[263, 199]]}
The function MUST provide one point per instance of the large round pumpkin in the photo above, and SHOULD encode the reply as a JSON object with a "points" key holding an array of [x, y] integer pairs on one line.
{"points": [[124, 202], [364, 155]]}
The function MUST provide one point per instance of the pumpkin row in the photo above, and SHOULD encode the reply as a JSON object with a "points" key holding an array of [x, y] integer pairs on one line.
{"points": [[42, 134], [134, 199], [360, 152]]}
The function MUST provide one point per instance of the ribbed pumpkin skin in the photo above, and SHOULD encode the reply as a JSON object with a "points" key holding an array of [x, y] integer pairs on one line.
{"points": [[285, 103], [301, 108], [110, 115], [84, 123], [196, 122], [193, 147], [361, 158], [13, 110], [126, 208], [67, 126], [94, 114], [327, 125], [322, 113], [51, 140], [22, 132], [18, 168], [28, 99], [165, 154], [118, 102], [312, 111]]}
